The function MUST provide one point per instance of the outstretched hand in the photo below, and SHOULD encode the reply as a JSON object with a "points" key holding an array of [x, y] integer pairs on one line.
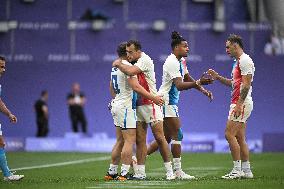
{"points": [[205, 79], [213, 74]]}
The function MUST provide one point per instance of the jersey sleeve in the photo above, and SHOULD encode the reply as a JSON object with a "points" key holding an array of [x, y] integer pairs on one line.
{"points": [[173, 71], [142, 64], [246, 66], [185, 66]]}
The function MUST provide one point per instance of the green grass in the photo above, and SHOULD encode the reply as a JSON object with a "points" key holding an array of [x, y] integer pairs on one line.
{"points": [[267, 168]]}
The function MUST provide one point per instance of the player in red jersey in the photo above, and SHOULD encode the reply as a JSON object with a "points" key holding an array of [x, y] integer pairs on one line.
{"points": [[240, 108]]}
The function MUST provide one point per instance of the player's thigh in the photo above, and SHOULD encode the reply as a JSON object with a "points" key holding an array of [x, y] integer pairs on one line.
{"points": [[141, 131], [172, 126], [119, 136], [157, 129], [2, 142], [233, 127], [129, 135], [241, 135]]}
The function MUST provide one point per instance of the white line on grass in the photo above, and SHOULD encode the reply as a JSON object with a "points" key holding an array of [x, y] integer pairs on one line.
{"points": [[63, 163]]}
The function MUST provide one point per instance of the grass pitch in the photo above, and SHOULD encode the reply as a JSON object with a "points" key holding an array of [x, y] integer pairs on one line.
{"points": [[86, 170]]}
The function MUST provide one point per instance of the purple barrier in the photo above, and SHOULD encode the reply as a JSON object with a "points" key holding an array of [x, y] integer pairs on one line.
{"points": [[14, 144], [273, 142]]}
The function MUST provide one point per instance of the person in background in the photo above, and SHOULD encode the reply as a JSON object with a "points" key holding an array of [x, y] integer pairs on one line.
{"points": [[76, 101], [41, 110]]}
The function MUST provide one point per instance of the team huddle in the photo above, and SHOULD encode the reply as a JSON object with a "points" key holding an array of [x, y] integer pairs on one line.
{"points": [[137, 103]]}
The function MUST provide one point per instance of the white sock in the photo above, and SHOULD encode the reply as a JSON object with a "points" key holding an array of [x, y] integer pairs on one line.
{"points": [[168, 166], [112, 169], [177, 164], [237, 165], [124, 169], [141, 169], [246, 166]]}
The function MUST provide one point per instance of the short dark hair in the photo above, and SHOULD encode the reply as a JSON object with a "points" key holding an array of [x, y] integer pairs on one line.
{"points": [[176, 39], [233, 38], [136, 44], [43, 92], [121, 49], [2, 58]]}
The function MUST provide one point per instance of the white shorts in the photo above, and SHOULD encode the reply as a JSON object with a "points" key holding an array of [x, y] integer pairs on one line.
{"points": [[246, 111], [149, 113], [0, 131], [125, 118], [170, 111]]}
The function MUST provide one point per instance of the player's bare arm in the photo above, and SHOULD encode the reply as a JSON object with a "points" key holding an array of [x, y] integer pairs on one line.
{"points": [[7, 112], [126, 69], [111, 90], [134, 84], [209, 94], [180, 85], [216, 76], [129, 70], [246, 83]]}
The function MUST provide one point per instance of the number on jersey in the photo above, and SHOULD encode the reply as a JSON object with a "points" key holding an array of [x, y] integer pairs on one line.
{"points": [[115, 84]]}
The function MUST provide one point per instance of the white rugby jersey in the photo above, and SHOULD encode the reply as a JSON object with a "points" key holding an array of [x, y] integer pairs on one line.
{"points": [[172, 68], [243, 66], [147, 78], [125, 96]]}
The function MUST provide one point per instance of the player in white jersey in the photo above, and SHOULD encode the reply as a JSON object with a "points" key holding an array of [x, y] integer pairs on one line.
{"points": [[122, 88], [240, 108], [147, 112], [175, 79], [8, 175]]}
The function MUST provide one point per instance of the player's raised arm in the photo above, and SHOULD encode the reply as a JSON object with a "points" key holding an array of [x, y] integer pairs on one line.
{"points": [[216, 76], [134, 84]]}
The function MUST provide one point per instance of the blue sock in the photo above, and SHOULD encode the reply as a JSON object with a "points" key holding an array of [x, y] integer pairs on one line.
{"points": [[3, 163]]}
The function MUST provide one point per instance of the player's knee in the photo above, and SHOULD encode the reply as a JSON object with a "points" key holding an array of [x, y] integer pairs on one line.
{"points": [[168, 139], [241, 140], [178, 138], [120, 142], [2, 144], [140, 140], [160, 138], [228, 136]]}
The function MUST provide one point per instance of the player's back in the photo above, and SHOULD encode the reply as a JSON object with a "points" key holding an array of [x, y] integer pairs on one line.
{"points": [[124, 93]]}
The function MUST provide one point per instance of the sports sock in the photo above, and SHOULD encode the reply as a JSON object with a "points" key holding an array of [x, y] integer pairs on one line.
{"points": [[141, 169], [124, 169], [177, 164], [3, 163], [112, 169], [237, 165], [246, 166], [168, 166]]}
